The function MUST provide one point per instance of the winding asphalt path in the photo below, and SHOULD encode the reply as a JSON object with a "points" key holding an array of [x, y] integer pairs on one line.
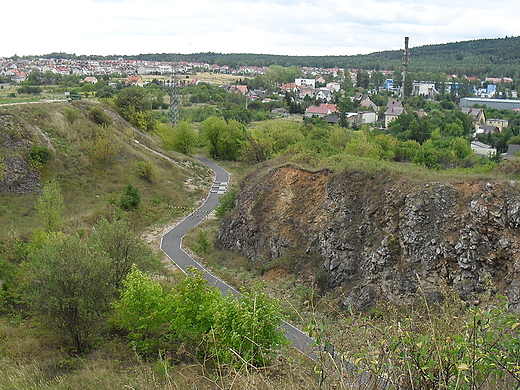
{"points": [[171, 245]]}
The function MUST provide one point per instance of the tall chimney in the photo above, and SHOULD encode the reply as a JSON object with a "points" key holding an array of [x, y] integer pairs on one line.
{"points": [[405, 64]]}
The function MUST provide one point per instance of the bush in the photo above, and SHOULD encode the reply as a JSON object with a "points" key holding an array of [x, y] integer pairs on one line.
{"points": [[71, 114], [30, 89], [99, 116], [130, 198], [40, 154], [194, 313], [146, 171], [227, 202]]}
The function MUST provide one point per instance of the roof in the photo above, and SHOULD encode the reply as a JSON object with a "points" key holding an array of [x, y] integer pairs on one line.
{"points": [[321, 110], [476, 113], [331, 118], [395, 103], [394, 111], [331, 107]]}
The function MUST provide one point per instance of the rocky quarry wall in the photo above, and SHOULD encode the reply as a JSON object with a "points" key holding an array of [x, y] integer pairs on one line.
{"points": [[16, 140], [380, 236]]}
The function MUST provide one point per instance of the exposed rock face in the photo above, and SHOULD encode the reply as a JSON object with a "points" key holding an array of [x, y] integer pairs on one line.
{"points": [[16, 173], [383, 237]]}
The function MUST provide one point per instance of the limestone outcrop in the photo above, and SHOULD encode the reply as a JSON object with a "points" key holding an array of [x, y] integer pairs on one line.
{"points": [[381, 236]]}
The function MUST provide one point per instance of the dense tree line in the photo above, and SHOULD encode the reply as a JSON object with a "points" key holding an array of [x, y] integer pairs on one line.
{"points": [[493, 57]]}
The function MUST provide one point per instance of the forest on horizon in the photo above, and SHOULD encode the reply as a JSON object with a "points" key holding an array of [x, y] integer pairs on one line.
{"points": [[498, 57]]}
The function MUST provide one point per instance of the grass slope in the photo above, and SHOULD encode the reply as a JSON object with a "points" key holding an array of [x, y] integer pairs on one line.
{"points": [[91, 188]]}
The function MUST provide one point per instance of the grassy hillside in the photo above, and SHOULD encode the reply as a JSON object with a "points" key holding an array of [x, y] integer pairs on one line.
{"points": [[91, 186]]}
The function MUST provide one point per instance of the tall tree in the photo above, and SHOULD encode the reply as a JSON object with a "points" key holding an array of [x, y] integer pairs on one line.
{"points": [[223, 137]]}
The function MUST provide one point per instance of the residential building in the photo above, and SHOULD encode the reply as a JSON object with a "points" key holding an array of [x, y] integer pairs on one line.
{"points": [[424, 89], [90, 80], [500, 123], [482, 149], [486, 129], [135, 81], [305, 83], [476, 114], [391, 113], [321, 111], [365, 117], [334, 86]]}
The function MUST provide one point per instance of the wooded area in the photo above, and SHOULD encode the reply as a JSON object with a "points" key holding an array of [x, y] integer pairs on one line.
{"points": [[498, 57]]}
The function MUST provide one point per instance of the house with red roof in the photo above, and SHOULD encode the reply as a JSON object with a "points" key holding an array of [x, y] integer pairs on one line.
{"points": [[321, 111], [135, 80], [291, 87], [90, 80], [238, 89]]}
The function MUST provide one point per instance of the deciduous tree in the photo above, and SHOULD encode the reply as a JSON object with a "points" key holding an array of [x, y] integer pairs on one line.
{"points": [[69, 282], [50, 206]]}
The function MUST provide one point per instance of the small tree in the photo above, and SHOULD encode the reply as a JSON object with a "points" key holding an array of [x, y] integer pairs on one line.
{"points": [[50, 206], [123, 247], [130, 198], [106, 145], [224, 138], [146, 171], [134, 104], [69, 282], [184, 137], [142, 309]]}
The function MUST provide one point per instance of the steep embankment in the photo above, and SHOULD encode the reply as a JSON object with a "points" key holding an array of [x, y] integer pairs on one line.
{"points": [[93, 154], [380, 236]]}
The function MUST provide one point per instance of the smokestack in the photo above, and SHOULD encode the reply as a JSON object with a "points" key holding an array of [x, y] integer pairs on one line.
{"points": [[405, 64]]}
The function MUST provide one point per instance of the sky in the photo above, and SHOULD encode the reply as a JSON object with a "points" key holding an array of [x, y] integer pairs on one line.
{"points": [[290, 27]]}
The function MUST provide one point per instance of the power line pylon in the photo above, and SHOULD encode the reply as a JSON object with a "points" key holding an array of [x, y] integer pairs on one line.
{"points": [[174, 98]]}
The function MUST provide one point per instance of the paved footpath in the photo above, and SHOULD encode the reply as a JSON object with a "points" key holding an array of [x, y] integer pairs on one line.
{"points": [[171, 244]]}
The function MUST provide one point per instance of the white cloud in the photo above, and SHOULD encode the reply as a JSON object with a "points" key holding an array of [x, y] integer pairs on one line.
{"points": [[312, 27]]}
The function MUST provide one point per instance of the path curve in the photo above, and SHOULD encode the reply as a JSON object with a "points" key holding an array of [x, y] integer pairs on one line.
{"points": [[171, 245]]}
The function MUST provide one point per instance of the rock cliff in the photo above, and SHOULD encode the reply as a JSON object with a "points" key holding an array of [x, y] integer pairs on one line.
{"points": [[16, 140], [381, 236]]}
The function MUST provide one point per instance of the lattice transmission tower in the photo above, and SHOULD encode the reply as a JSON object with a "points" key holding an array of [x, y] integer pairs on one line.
{"points": [[174, 98]]}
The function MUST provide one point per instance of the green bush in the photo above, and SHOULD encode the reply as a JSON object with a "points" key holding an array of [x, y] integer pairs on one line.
{"points": [[195, 314], [71, 114], [40, 154], [99, 116], [146, 171], [227, 202], [130, 199]]}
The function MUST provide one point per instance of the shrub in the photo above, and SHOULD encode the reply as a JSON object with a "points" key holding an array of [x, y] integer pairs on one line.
{"points": [[71, 114], [234, 329], [146, 171], [130, 199], [40, 154], [99, 116], [227, 202]]}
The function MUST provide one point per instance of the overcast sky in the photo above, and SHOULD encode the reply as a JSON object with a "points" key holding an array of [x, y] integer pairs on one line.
{"points": [[312, 27]]}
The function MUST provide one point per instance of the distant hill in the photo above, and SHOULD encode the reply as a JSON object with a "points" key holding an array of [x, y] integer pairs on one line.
{"points": [[499, 57]]}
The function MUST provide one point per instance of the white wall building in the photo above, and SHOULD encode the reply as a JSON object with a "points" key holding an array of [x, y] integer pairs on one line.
{"points": [[305, 83]]}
